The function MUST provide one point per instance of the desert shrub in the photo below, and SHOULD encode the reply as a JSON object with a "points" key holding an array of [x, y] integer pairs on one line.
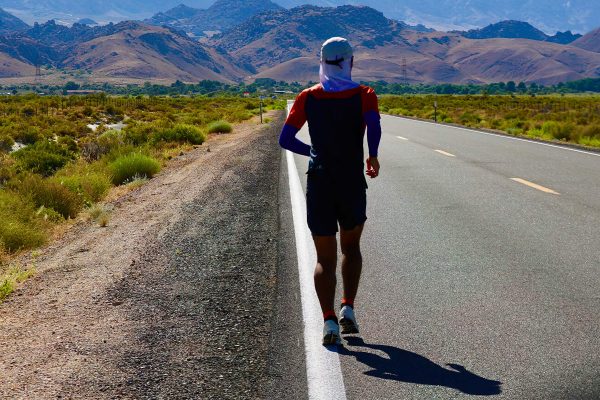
{"points": [[19, 228], [468, 118], [514, 131], [50, 194], [138, 134], [91, 186], [557, 130], [27, 134], [93, 149], [181, 133], [590, 141], [42, 158], [133, 165], [16, 235], [592, 131], [219, 127], [68, 143], [6, 143]]}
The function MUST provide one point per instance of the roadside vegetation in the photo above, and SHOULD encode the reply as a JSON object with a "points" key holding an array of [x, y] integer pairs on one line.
{"points": [[569, 119], [60, 156]]}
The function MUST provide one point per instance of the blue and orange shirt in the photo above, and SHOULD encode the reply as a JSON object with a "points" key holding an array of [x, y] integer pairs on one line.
{"points": [[336, 124]]}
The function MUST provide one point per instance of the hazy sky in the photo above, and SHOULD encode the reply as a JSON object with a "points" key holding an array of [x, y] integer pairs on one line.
{"points": [[549, 15]]}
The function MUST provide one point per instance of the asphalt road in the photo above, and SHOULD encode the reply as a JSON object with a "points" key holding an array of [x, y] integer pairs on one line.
{"points": [[477, 281]]}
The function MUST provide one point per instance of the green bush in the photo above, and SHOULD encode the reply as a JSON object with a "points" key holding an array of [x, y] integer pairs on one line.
{"points": [[220, 127], [557, 130], [28, 135], [92, 186], [93, 149], [590, 141], [181, 133], [15, 236], [6, 143], [43, 158], [51, 194], [19, 227], [131, 166]]}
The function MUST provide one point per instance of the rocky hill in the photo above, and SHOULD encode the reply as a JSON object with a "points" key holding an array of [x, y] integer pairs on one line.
{"points": [[285, 45], [127, 49], [270, 39], [222, 15], [518, 30], [10, 23], [590, 42]]}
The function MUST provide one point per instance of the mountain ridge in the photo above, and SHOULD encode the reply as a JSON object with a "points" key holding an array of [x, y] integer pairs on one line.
{"points": [[222, 15], [284, 44], [513, 29], [9, 22]]}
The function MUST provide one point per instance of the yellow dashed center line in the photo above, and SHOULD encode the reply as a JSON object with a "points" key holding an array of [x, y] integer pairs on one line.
{"points": [[445, 153], [535, 186], [401, 138]]}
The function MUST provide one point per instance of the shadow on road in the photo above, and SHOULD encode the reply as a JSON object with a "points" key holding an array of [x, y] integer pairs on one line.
{"points": [[405, 366]]}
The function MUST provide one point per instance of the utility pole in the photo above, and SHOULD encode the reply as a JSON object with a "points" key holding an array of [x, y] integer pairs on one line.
{"points": [[38, 73], [435, 110], [261, 108], [404, 72]]}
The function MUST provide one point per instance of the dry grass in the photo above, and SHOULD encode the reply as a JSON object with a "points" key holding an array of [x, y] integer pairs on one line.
{"points": [[11, 277]]}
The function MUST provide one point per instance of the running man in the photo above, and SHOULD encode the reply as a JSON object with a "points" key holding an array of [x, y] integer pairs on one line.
{"points": [[337, 110]]}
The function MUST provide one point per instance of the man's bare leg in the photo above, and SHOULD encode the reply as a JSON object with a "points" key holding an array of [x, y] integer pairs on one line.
{"points": [[325, 279], [351, 261]]}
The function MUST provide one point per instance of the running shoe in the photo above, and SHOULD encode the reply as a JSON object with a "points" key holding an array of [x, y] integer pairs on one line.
{"points": [[348, 320], [331, 333]]}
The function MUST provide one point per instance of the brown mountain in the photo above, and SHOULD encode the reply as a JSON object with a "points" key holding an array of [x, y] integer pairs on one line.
{"points": [[222, 15], [126, 50], [10, 23], [141, 51], [590, 42], [284, 45]]}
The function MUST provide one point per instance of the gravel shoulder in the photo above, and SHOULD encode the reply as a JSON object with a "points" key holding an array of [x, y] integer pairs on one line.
{"points": [[175, 299]]}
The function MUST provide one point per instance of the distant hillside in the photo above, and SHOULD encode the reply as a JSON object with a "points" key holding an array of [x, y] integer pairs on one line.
{"points": [[590, 42], [271, 38], [518, 30], [10, 23], [549, 15], [222, 15], [128, 49], [281, 45]]}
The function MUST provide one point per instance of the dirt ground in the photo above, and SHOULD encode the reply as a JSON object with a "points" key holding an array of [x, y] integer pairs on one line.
{"points": [[172, 300]]}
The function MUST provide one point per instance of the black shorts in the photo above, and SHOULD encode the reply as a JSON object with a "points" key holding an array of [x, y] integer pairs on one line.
{"points": [[330, 201]]}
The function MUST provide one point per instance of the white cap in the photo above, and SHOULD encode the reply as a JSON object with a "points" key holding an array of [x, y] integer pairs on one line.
{"points": [[335, 49]]}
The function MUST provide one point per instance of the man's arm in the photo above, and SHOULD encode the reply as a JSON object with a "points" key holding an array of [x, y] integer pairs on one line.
{"points": [[289, 141], [373, 122], [294, 122]]}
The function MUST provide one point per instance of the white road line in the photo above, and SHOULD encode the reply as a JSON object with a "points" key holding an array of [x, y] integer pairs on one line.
{"points": [[445, 153], [323, 370], [503, 136], [534, 185], [401, 138]]}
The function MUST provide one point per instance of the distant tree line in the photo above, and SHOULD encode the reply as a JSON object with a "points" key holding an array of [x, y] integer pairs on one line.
{"points": [[269, 86], [511, 87]]}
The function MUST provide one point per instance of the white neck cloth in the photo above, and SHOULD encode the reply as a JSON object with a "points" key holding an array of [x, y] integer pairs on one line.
{"points": [[337, 77]]}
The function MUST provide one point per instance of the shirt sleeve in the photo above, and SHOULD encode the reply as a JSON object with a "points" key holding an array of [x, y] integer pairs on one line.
{"points": [[289, 141], [369, 101], [372, 120], [297, 116]]}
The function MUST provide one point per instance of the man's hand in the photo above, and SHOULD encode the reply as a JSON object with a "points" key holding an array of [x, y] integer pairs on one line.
{"points": [[373, 167]]}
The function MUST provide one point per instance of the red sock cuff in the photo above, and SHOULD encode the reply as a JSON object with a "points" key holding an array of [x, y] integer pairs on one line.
{"points": [[329, 315], [348, 302]]}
